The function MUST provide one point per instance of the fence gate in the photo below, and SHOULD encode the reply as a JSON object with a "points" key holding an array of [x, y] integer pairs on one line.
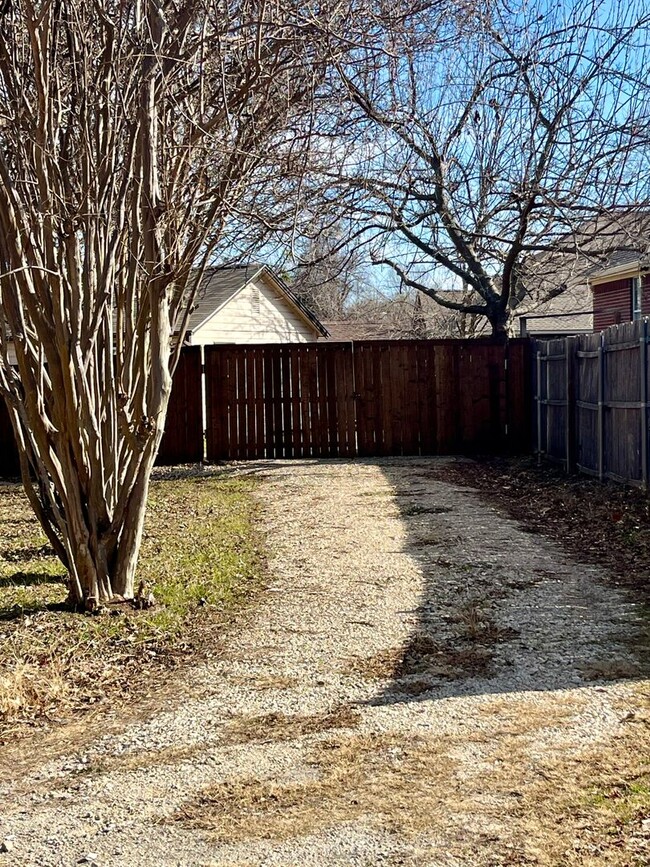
{"points": [[277, 401]]}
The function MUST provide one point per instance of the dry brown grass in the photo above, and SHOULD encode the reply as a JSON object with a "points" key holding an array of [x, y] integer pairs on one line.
{"points": [[579, 807], [284, 727], [478, 625], [266, 728], [23, 687], [510, 714], [347, 777]]}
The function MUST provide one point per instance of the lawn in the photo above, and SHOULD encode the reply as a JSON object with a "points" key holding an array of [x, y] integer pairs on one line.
{"points": [[200, 558]]}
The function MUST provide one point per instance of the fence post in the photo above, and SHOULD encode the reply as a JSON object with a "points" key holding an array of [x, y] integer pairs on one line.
{"points": [[538, 399], [601, 399], [643, 360], [569, 344], [547, 398]]}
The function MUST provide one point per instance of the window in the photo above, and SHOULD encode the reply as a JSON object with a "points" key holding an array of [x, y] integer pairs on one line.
{"points": [[636, 292]]}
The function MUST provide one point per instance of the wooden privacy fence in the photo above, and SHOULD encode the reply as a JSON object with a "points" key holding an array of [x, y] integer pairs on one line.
{"points": [[371, 398], [591, 401]]}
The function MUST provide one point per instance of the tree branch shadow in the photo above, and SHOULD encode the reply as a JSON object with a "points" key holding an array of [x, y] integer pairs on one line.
{"points": [[501, 610]]}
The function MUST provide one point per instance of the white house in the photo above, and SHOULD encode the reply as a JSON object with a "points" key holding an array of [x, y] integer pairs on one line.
{"points": [[250, 304]]}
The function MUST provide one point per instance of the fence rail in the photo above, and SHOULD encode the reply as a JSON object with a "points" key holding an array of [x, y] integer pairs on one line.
{"points": [[591, 398]]}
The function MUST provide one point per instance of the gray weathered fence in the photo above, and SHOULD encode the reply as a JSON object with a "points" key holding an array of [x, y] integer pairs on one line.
{"points": [[591, 402]]}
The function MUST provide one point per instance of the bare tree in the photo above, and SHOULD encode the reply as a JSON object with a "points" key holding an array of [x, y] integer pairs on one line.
{"points": [[485, 138], [129, 130], [329, 278]]}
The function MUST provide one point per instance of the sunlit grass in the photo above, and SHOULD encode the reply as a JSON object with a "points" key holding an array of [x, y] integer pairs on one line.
{"points": [[200, 558]]}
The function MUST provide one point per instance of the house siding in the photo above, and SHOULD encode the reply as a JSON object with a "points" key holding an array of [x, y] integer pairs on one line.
{"points": [[613, 302], [257, 314]]}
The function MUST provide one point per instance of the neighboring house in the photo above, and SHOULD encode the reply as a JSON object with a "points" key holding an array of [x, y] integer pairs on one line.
{"points": [[598, 285], [621, 289], [569, 313], [250, 304], [246, 304]]}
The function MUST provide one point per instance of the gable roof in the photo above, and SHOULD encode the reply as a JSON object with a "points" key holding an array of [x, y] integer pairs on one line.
{"points": [[219, 285]]}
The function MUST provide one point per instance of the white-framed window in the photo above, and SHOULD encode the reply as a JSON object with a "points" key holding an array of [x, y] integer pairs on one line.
{"points": [[636, 292]]}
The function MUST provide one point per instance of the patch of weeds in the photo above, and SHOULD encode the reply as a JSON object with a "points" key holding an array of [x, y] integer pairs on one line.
{"points": [[284, 727], [426, 657], [423, 655], [598, 801], [391, 780], [200, 557], [415, 509], [478, 626], [432, 538], [610, 670]]}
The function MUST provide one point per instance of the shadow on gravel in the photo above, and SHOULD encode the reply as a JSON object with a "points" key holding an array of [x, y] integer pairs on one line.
{"points": [[502, 609]]}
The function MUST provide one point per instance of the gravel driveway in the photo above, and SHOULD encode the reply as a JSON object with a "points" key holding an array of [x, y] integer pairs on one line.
{"points": [[406, 692]]}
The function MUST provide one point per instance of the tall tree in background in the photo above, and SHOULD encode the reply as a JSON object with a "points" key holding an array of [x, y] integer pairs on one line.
{"points": [[485, 139], [331, 279], [129, 130]]}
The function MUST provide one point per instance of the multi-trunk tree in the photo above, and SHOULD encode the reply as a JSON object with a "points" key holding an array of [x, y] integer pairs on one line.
{"points": [[130, 131]]}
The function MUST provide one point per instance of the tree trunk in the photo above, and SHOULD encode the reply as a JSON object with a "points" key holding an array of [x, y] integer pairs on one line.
{"points": [[498, 320], [93, 515]]}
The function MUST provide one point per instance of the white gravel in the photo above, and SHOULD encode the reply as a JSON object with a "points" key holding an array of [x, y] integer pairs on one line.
{"points": [[363, 555]]}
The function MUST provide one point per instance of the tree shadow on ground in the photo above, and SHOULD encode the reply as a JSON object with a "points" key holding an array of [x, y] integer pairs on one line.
{"points": [[17, 611], [32, 552], [30, 579], [501, 609]]}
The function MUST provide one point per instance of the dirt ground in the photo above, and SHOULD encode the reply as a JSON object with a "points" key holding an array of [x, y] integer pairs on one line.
{"points": [[424, 681]]}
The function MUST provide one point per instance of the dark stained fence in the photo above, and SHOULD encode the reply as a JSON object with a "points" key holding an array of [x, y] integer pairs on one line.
{"points": [[370, 398], [276, 401], [337, 400], [592, 402], [9, 460], [182, 442]]}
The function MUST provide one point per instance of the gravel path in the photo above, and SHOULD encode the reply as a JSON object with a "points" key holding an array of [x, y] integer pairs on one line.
{"points": [[414, 668]]}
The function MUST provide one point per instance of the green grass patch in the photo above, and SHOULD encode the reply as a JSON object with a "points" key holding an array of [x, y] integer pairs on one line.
{"points": [[624, 803], [201, 558]]}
